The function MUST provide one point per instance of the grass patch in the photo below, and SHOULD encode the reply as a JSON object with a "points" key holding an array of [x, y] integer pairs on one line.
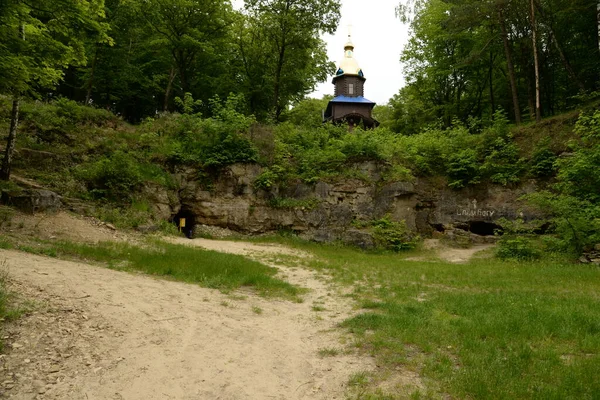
{"points": [[488, 329], [183, 263], [329, 352], [257, 310]]}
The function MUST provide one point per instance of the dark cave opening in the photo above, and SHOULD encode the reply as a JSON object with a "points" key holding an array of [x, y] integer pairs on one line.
{"points": [[483, 228], [438, 227], [185, 220]]}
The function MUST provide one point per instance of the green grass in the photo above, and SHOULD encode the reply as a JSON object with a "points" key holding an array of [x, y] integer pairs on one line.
{"points": [[183, 263], [489, 329], [257, 310], [329, 352]]}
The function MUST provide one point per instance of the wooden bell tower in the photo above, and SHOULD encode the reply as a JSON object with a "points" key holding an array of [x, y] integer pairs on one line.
{"points": [[349, 106]]}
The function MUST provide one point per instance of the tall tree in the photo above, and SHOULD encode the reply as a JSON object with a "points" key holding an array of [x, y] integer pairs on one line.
{"points": [[538, 112], [291, 32], [192, 30], [509, 64], [37, 41]]}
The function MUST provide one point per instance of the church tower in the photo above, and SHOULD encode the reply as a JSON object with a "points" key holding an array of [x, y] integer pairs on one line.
{"points": [[349, 105]]}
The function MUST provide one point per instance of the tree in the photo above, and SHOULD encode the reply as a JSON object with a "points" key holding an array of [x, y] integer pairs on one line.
{"points": [[192, 30], [37, 41], [289, 30], [538, 113], [460, 50]]}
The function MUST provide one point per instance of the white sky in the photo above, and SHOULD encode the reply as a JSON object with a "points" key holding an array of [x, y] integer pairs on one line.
{"points": [[378, 38]]}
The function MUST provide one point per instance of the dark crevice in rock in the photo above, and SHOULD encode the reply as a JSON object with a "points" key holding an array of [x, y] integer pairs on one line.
{"points": [[438, 227], [483, 228], [189, 222]]}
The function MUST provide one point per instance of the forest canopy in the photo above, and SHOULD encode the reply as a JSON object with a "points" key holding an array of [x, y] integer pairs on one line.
{"points": [[134, 57], [467, 59]]}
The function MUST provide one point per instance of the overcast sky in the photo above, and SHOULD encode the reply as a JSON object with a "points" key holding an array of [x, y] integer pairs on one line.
{"points": [[378, 38]]}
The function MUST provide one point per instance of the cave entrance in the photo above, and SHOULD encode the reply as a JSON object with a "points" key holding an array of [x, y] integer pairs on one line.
{"points": [[483, 228], [185, 220]]}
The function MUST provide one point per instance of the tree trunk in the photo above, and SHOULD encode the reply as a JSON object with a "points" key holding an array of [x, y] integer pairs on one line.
{"points": [[168, 91], [510, 67], [538, 110], [14, 124], [10, 142]]}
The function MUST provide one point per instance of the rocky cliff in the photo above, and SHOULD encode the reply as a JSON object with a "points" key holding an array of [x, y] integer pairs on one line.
{"points": [[329, 211]]}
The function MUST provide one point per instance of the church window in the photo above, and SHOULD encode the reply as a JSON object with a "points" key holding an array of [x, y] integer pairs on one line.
{"points": [[351, 88]]}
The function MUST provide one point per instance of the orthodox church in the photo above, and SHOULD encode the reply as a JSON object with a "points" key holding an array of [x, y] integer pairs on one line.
{"points": [[349, 106]]}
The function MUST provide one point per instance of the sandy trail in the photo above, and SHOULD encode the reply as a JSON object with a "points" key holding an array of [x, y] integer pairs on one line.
{"points": [[450, 254], [108, 334]]}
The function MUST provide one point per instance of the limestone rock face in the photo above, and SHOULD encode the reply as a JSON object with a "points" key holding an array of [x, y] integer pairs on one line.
{"points": [[32, 200], [335, 211]]}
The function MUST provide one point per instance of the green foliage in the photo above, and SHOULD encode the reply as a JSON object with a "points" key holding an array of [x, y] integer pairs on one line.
{"points": [[456, 61], [35, 48], [281, 51], [266, 180], [543, 162], [517, 247], [463, 168], [126, 216], [576, 221], [114, 178], [574, 204], [211, 143], [57, 122], [579, 173], [187, 105], [391, 235], [502, 163], [308, 112]]}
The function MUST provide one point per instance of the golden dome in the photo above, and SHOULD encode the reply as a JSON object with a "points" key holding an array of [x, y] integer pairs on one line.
{"points": [[349, 65]]}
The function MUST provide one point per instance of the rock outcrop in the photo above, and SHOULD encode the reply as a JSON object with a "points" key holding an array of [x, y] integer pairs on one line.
{"points": [[32, 200], [334, 211]]}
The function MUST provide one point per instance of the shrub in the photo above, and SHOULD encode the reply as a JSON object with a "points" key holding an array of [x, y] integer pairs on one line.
{"points": [[361, 146], [517, 247], [266, 180], [463, 168], [576, 221], [391, 235], [112, 178], [502, 163], [543, 162]]}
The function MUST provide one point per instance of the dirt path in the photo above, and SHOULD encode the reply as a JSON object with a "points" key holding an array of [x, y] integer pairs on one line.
{"points": [[106, 334], [450, 254]]}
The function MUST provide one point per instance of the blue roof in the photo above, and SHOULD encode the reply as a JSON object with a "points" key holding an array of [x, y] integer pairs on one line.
{"points": [[346, 99]]}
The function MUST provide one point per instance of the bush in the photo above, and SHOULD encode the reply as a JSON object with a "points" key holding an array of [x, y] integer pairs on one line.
{"points": [[393, 236], [543, 162], [113, 178], [463, 168], [266, 180], [576, 221], [517, 247]]}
